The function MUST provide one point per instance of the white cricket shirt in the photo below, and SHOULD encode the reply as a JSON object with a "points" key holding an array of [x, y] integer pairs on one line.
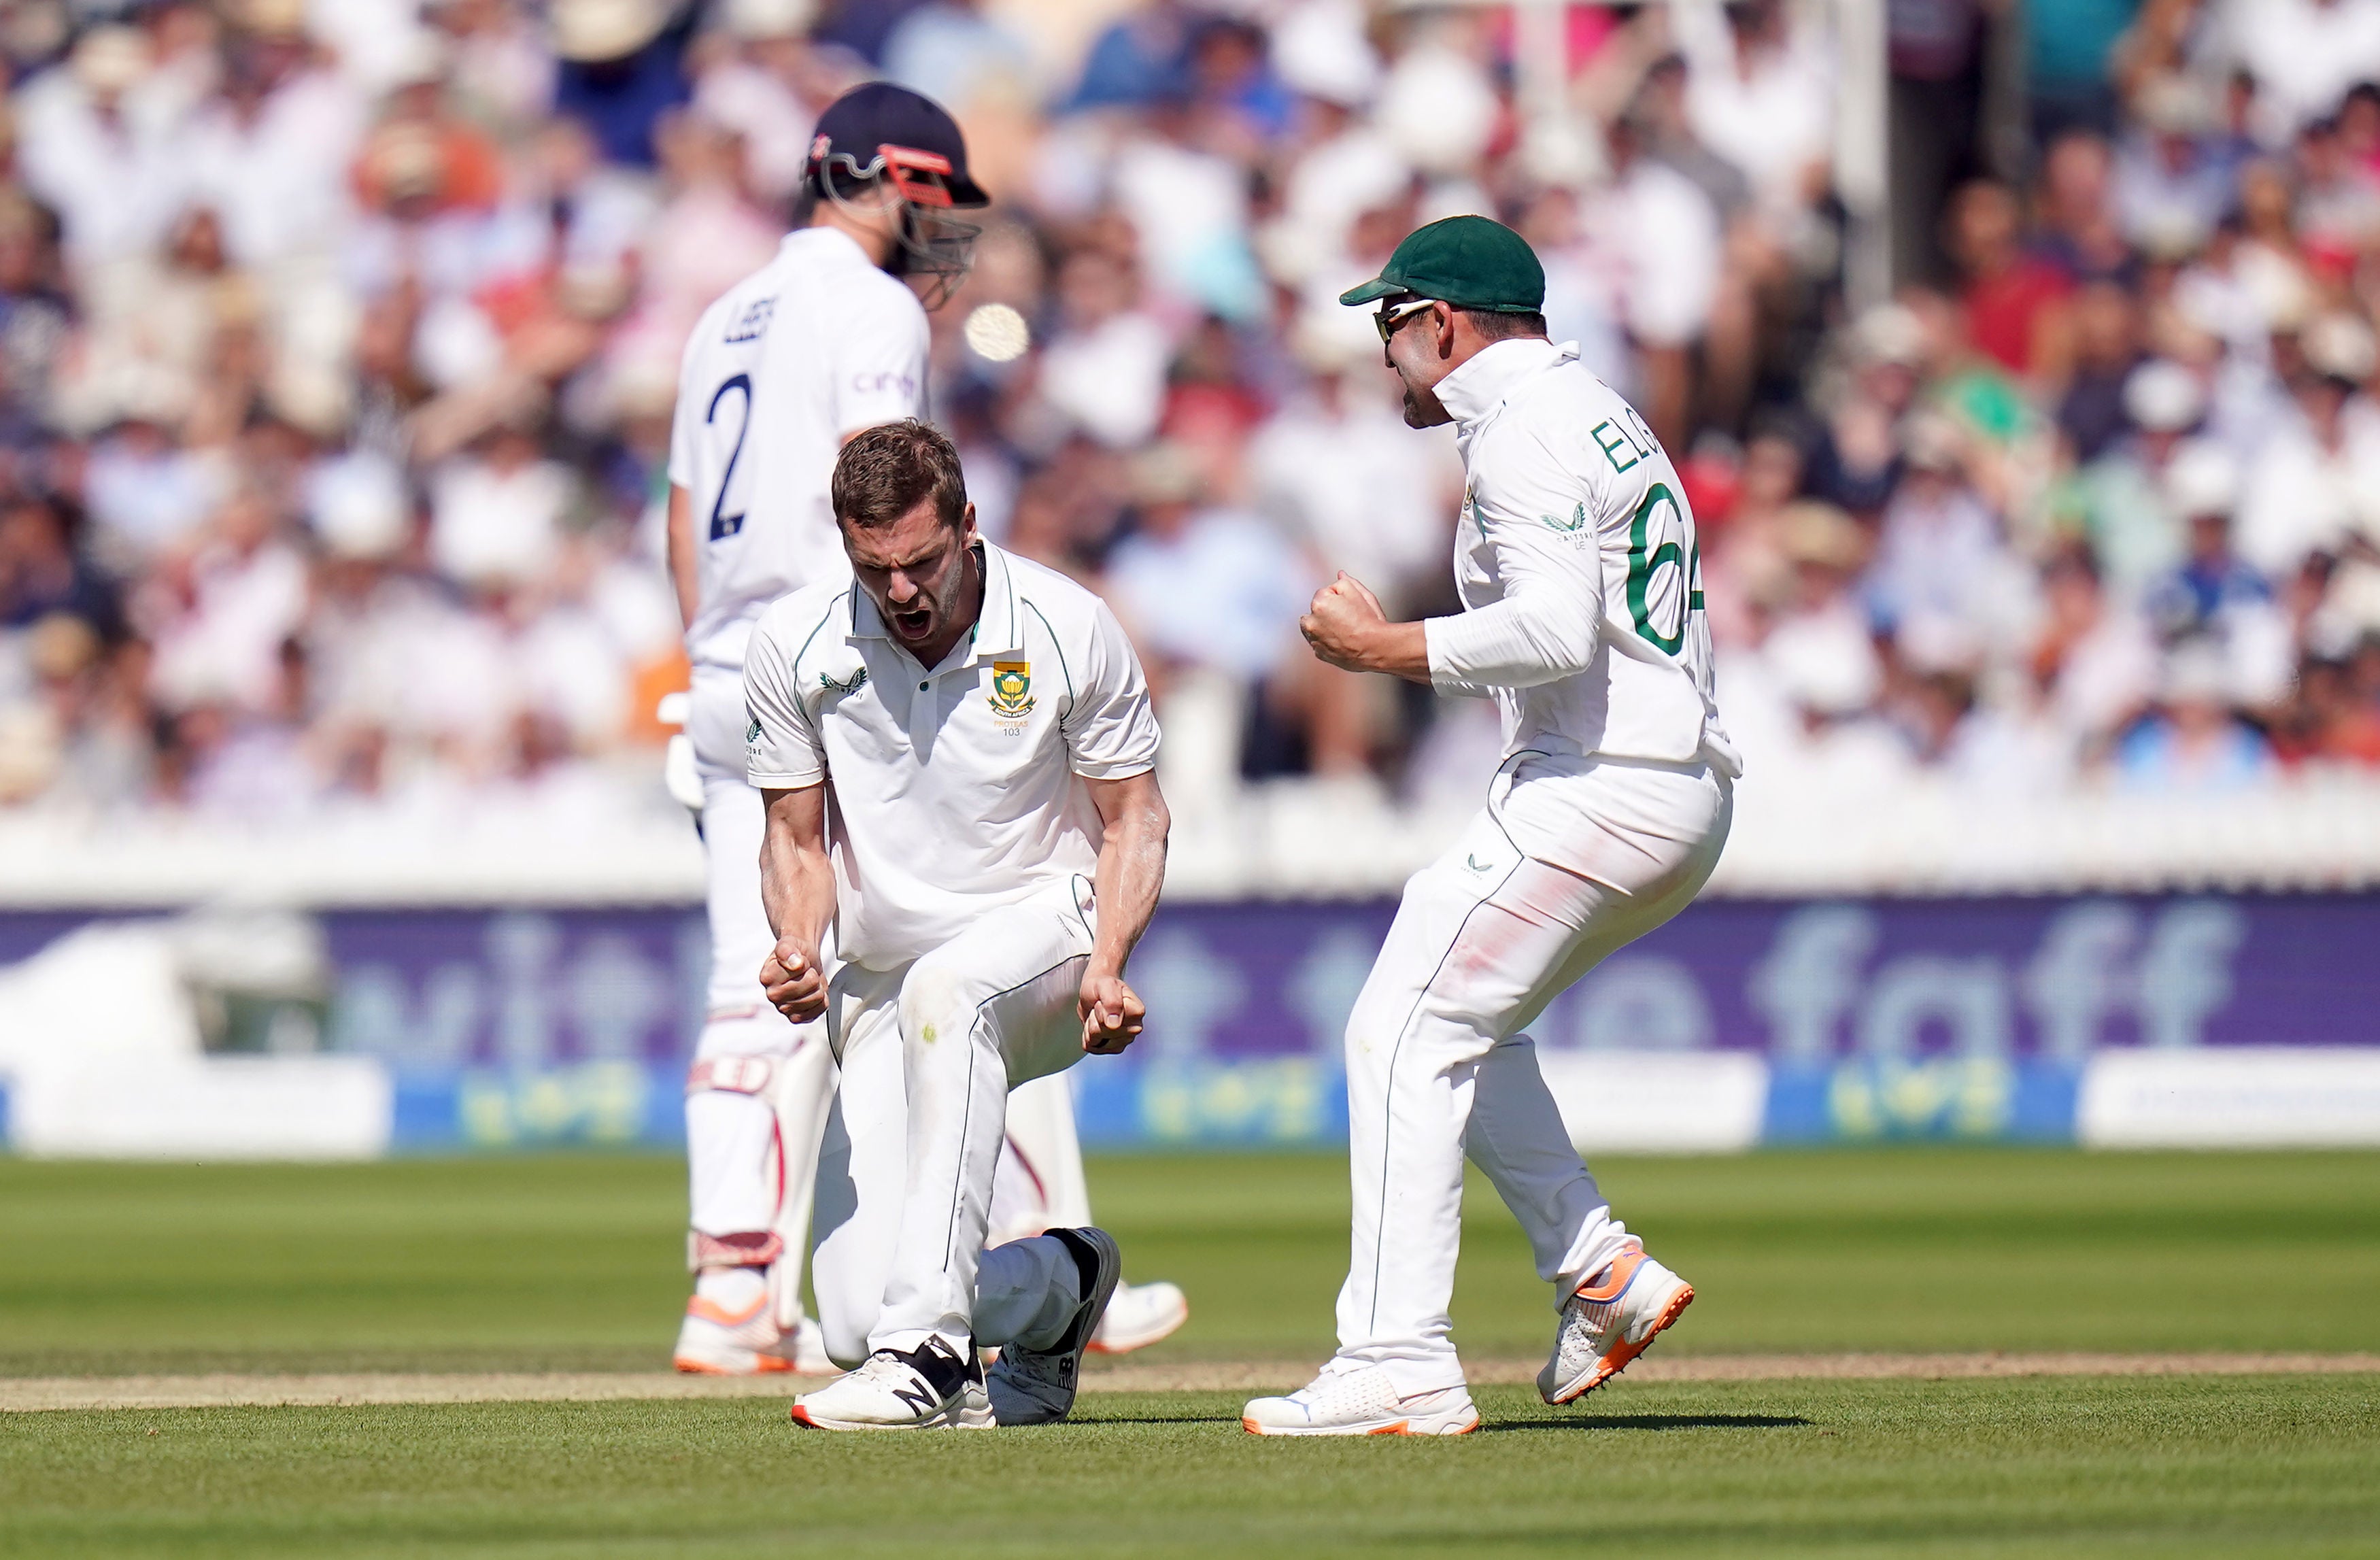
{"points": [[955, 789], [1577, 563], [815, 344]]}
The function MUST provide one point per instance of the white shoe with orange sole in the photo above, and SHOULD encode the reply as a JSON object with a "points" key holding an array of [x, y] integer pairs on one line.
{"points": [[1363, 1401], [715, 1341], [1612, 1319]]}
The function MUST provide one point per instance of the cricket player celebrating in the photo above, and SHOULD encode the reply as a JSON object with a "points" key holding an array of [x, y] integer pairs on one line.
{"points": [[824, 340], [957, 757], [1581, 584]]}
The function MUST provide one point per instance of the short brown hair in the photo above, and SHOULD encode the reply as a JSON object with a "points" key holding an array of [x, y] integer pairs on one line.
{"points": [[887, 471], [1504, 325]]}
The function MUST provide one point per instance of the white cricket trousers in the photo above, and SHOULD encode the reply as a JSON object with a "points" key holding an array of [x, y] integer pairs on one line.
{"points": [[757, 1096], [1040, 1184], [929, 1051], [1437, 1067]]}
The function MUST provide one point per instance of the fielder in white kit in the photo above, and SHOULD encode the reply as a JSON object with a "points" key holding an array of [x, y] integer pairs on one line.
{"points": [[1580, 578], [957, 756], [826, 339]]}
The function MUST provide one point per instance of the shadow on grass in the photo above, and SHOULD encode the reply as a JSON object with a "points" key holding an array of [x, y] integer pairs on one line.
{"points": [[1652, 1421]]}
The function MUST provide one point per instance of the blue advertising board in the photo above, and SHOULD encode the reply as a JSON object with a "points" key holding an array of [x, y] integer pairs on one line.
{"points": [[1873, 1019]]}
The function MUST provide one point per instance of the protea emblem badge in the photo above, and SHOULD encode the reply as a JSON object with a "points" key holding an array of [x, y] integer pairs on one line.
{"points": [[1012, 690]]}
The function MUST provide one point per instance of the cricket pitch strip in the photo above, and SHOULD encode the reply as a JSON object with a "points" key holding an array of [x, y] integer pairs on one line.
{"points": [[35, 1394]]}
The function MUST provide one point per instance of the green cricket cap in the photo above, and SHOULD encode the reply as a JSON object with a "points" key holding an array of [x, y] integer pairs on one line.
{"points": [[1466, 260]]}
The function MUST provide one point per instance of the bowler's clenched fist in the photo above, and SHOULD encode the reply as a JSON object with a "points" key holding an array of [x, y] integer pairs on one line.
{"points": [[1111, 1014], [795, 985], [1341, 621]]}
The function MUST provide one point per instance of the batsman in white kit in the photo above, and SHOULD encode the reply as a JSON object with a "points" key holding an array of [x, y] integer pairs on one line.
{"points": [[1580, 576], [824, 340], [957, 757]]}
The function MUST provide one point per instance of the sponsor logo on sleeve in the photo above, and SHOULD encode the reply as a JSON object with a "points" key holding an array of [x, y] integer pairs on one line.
{"points": [[753, 323], [1572, 526]]}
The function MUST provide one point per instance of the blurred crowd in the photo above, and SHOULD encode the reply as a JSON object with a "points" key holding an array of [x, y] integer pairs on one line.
{"points": [[337, 342]]}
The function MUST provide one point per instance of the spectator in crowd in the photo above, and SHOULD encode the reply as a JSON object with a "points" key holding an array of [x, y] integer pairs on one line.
{"points": [[2213, 598], [2123, 497], [1215, 593], [2015, 302], [2192, 740], [2318, 469], [2094, 658]]}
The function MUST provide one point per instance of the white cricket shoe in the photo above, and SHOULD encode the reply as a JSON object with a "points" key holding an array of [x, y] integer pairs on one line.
{"points": [[1361, 1402], [926, 1388], [1612, 1318], [1036, 1385], [1139, 1315], [715, 1340]]}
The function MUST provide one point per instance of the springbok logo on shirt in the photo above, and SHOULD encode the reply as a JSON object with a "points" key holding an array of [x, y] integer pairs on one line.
{"points": [[1012, 690]]}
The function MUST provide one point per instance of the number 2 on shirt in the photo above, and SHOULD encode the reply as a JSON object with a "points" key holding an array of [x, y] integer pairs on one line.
{"points": [[724, 525]]}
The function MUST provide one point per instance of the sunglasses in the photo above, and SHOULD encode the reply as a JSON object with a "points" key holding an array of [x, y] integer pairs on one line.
{"points": [[1392, 315]]}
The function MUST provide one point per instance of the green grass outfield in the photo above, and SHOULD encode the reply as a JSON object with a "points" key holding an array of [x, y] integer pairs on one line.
{"points": [[2155, 1467], [575, 1263]]}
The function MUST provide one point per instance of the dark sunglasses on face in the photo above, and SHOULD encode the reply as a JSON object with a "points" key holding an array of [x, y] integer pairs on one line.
{"points": [[1392, 315]]}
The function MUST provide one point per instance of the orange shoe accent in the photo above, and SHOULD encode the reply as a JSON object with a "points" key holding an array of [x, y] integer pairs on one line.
{"points": [[801, 1415], [710, 1311], [1619, 1358], [762, 1365], [1623, 1268], [1402, 1427]]}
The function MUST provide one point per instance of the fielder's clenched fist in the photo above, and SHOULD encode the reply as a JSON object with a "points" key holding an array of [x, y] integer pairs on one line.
{"points": [[1341, 622], [795, 985]]}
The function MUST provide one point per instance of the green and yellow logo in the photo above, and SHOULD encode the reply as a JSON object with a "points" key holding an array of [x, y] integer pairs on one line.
{"points": [[1577, 520], [1012, 689]]}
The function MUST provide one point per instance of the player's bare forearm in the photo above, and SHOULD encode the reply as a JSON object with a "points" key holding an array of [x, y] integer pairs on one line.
{"points": [[681, 554], [1131, 875], [1132, 864], [1347, 628], [798, 892]]}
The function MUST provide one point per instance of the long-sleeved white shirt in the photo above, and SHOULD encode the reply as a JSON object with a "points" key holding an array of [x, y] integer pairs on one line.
{"points": [[1577, 563]]}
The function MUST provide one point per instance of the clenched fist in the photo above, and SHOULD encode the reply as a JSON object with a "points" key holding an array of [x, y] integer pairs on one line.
{"points": [[1342, 621], [795, 985], [1111, 1014]]}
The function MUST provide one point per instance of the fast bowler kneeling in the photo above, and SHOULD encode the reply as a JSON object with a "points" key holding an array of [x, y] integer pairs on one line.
{"points": [[1579, 573], [769, 385], [958, 759]]}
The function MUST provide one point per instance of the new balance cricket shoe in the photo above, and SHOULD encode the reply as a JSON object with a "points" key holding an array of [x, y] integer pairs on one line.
{"points": [[736, 1335], [1612, 1319], [1361, 1402], [1036, 1385], [1139, 1315], [928, 1387]]}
